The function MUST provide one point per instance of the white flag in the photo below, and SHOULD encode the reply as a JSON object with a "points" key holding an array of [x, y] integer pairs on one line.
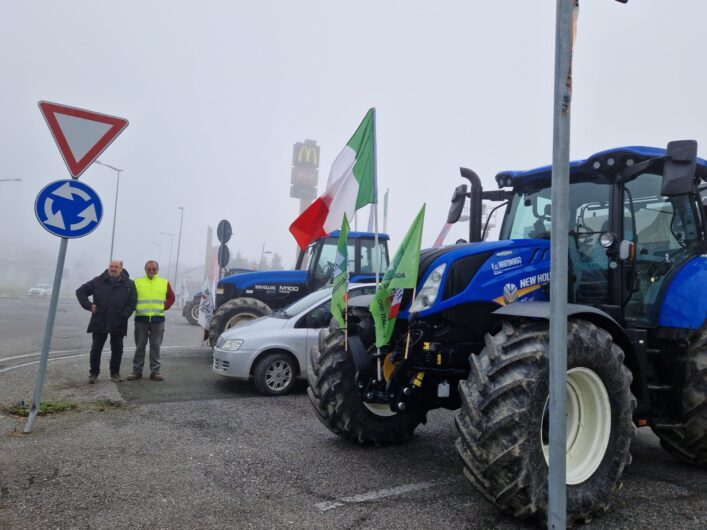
{"points": [[207, 304]]}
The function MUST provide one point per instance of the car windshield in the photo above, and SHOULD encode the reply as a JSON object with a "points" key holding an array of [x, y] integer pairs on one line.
{"points": [[305, 303]]}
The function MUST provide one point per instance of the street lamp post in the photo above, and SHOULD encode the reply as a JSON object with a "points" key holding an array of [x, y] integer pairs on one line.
{"points": [[179, 246], [159, 250], [115, 210], [262, 255], [171, 246]]}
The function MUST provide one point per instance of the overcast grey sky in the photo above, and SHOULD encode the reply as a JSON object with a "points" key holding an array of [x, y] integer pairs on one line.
{"points": [[217, 92]]}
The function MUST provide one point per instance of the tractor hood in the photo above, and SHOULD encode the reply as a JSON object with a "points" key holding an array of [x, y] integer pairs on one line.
{"points": [[501, 271], [247, 280]]}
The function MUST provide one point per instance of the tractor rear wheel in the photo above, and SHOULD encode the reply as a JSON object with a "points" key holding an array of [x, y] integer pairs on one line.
{"points": [[233, 313], [688, 441], [503, 421], [336, 399]]}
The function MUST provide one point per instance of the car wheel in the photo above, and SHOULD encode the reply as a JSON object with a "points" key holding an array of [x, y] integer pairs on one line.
{"points": [[275, 374]]}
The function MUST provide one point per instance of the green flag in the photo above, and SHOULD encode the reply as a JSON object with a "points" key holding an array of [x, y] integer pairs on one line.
{"points": [[340, 287], [401, 274]]}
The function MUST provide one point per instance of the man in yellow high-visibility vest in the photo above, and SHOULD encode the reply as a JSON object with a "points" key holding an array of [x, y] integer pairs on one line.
{"points": [[154, 297]]}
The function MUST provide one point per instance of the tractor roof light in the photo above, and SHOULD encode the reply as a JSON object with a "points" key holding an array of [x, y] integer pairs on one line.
{"points": [[607, 239]]}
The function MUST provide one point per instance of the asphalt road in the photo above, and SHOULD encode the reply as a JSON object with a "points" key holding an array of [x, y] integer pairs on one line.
{"points": [[198, 451]]}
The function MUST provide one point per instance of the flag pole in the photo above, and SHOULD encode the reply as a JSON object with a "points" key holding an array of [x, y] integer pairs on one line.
{"points": [[375, 237], [346, 319], [407, 343]]}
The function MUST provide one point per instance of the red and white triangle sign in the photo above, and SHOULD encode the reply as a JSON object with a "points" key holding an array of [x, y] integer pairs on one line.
{"points": [[81, 135]]}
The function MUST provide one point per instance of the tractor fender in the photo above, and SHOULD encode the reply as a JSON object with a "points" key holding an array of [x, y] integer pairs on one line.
{"points": [[634, 359]]}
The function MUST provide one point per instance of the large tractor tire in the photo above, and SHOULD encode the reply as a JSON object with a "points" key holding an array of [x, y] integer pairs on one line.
{"points": [[688, 441], [333, 393], [504, 420], [233, 313], [192, 313]]}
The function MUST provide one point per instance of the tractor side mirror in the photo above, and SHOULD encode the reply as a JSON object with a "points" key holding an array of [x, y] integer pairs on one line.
{"points": [[458, 198], [679, 168]]}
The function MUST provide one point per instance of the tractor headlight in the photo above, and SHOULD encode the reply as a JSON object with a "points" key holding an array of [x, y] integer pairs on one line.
{"points": [[428, 294], [229, 344]]}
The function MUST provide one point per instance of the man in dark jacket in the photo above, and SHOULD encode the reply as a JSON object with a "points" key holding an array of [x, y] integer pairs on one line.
{"points": [[114, 300]]}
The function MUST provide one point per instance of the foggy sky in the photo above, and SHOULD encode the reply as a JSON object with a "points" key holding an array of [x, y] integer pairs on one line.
{"points": [[217, 92]]}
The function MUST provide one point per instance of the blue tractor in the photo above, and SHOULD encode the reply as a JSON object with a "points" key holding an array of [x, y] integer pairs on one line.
{"points": [[475, 338], [246, 296]]}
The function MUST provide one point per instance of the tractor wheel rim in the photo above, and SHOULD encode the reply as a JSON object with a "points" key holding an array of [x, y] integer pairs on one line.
{"points": [[278, 375], [240, 318], [588, 424], [195, 312], [379, 409]]}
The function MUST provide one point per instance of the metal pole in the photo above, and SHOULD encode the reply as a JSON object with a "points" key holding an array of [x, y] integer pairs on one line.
{"points": [[115, 211], [171, 247], [557, 487], [46, 345], [179, 246]]}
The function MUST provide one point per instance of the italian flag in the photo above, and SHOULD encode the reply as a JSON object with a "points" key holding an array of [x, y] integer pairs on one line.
{"points": [[350, 186]]}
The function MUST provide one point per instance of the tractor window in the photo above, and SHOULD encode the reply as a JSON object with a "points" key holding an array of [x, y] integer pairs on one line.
{"points": [[667, 232], [369, 256], [530, 216], [530, 212], [308, 256], [327, 262]]}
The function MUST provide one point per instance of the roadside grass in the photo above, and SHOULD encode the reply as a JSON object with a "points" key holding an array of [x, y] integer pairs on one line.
{"points": [[54, 407], [45, 407]]}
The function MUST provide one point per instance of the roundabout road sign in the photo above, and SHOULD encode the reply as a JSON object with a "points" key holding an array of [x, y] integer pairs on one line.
{"points": [[68, 208]]}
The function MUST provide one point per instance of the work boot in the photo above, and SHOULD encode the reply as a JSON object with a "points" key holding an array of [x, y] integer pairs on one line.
{"points": [[115, 377], [156, 376], [132, 376], [92, 379]]}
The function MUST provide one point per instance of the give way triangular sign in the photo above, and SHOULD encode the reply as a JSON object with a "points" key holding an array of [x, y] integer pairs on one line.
{"points": [[80, 135]]}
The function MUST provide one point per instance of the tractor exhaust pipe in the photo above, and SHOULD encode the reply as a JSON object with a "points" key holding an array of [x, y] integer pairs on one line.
{"points": [[475, 205]]}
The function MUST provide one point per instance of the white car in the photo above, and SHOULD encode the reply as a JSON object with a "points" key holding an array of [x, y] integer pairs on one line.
{"points": [[41, 289], [272, 350]]}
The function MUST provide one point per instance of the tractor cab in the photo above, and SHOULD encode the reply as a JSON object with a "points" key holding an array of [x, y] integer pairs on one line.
{"points": [[319, 258], [636, 217]]}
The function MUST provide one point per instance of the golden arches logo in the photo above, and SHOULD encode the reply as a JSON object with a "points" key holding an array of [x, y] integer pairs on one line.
{"points": [[306, 154]]}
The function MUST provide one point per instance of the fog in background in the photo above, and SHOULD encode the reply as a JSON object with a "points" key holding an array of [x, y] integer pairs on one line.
{"points": [[217, 93]]}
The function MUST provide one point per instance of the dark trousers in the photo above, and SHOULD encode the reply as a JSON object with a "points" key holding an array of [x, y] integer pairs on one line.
{"points": [[144, 331], [116, 352]]}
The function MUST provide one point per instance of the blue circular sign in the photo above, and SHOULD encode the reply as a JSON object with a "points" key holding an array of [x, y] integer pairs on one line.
{"points": [[68, 208]]}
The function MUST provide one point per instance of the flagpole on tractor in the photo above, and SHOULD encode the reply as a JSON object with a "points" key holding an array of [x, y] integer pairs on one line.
{"points": [[375, 237]]}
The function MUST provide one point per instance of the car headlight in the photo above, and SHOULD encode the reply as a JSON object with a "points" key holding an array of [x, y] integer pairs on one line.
{"points": [[428, 294], [229, 344]]}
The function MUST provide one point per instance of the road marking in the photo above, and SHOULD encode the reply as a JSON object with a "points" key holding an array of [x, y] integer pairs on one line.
{"points": [[125, 350], [380, 494]]}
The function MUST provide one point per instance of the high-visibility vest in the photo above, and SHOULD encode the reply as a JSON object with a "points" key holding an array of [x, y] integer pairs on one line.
{"points": [[151, 295]]}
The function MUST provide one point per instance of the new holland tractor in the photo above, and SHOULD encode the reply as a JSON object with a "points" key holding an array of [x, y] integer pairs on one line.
{"points": [[250, 295], [476, 336]]}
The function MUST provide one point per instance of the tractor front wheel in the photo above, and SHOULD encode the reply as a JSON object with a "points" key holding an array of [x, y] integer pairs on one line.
{"points": [[335, 397], [233, 313], [504, 419]]}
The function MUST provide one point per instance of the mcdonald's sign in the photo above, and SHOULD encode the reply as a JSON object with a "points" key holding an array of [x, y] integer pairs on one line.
{"points": [[306, 154]]}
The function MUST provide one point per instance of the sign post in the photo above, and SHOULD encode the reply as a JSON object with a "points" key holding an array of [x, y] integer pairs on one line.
{"points": [[69, 208], [223, 233]]}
